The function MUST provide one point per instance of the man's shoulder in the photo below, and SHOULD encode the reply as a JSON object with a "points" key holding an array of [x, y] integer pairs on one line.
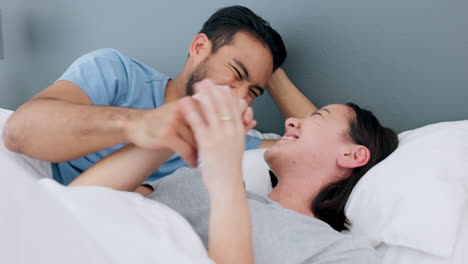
{"points": [[107, 52], [110, 57], [106, 60], [104, 54]]}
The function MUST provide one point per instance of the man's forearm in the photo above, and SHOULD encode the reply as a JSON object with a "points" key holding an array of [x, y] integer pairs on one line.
{"points": [[56, 130], [289, 99]]}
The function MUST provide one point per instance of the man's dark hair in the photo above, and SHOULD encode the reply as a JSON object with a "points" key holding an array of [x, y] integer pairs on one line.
{"points": [[226, 22], [365, 130]]}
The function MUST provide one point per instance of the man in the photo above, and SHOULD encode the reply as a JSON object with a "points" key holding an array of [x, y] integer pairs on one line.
{"points": [[105, 99]]}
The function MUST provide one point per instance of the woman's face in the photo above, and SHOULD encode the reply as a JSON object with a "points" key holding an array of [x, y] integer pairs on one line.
{"points": [[316, 140]]}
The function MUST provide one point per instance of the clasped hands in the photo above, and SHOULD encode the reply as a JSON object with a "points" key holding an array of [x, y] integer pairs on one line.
{"points": [[207, 126]]}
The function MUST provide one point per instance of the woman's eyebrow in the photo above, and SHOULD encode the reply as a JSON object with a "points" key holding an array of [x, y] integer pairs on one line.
{"points": [[320, 114], [316, 113]]}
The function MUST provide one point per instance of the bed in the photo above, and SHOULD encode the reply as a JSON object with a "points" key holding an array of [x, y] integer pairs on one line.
{"points": [[412, 207]]}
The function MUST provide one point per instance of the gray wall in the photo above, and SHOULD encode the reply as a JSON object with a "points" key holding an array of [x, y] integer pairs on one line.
{"points": [[405, 60]]}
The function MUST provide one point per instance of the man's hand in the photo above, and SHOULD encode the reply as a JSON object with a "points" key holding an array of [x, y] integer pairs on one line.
{"points": [[164, 128]]}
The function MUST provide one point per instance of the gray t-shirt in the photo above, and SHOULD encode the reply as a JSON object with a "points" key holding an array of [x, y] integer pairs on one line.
{"points": [[279, 235]]}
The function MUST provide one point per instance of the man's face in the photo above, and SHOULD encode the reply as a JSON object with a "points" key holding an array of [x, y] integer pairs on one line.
{"points": [[245, 65]]}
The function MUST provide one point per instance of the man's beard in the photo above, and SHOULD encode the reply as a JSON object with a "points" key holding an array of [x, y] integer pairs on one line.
{"points": [[197, 75]]}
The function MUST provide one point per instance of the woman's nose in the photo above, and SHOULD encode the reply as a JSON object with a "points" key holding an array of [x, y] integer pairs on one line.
{"points": [[292, 123]]}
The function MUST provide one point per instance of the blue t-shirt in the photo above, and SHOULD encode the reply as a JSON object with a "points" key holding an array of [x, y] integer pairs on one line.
{"points": [[111, 79]]}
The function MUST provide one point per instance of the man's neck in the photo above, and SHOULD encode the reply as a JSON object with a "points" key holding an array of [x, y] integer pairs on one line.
{"points": [[175, 89]]}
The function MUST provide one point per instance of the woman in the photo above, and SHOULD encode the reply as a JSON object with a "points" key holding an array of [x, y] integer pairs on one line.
{"points": [[317, 162]]}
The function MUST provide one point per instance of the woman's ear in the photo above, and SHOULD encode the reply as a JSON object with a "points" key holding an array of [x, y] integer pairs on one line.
{"points": [[200, 47], [354, 157]]}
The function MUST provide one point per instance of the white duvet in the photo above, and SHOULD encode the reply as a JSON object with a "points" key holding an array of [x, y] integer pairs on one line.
{"points": [[44, 222]]}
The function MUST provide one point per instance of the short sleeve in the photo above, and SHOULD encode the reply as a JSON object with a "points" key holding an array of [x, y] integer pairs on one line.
{"points": [[103, 75], [252, 142], [348, 249], [361, 257]]}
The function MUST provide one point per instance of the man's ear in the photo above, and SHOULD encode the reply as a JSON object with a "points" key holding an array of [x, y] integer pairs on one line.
{"points": [[200, 47], [354, 156]]}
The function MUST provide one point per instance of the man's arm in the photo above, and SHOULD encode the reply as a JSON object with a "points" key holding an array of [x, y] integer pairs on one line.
{"points": [[266, 143], [60, 124], [289, 99]]}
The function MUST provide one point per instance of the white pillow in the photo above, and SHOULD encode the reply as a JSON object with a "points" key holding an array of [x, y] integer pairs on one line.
{"points": [[415, 197], [403, 255], [255, 172], [255, 169]]}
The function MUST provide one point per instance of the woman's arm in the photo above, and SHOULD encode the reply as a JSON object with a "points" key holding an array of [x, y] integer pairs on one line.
{"points": [[125, 169], [230, 238], [220, 135]]}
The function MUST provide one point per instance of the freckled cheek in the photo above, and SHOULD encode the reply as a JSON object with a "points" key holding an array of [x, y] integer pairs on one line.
{"points": [[304, 158]]}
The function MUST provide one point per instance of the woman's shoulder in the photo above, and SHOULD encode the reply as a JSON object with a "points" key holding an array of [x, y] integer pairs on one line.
{"points": [[181, 178], [185, 184]]}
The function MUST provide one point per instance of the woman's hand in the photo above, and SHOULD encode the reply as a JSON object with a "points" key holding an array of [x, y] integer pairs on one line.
{"points": [[219, 121]]}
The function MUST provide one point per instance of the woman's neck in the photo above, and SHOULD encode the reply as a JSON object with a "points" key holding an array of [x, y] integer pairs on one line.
{"points": [[294, 197]]}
